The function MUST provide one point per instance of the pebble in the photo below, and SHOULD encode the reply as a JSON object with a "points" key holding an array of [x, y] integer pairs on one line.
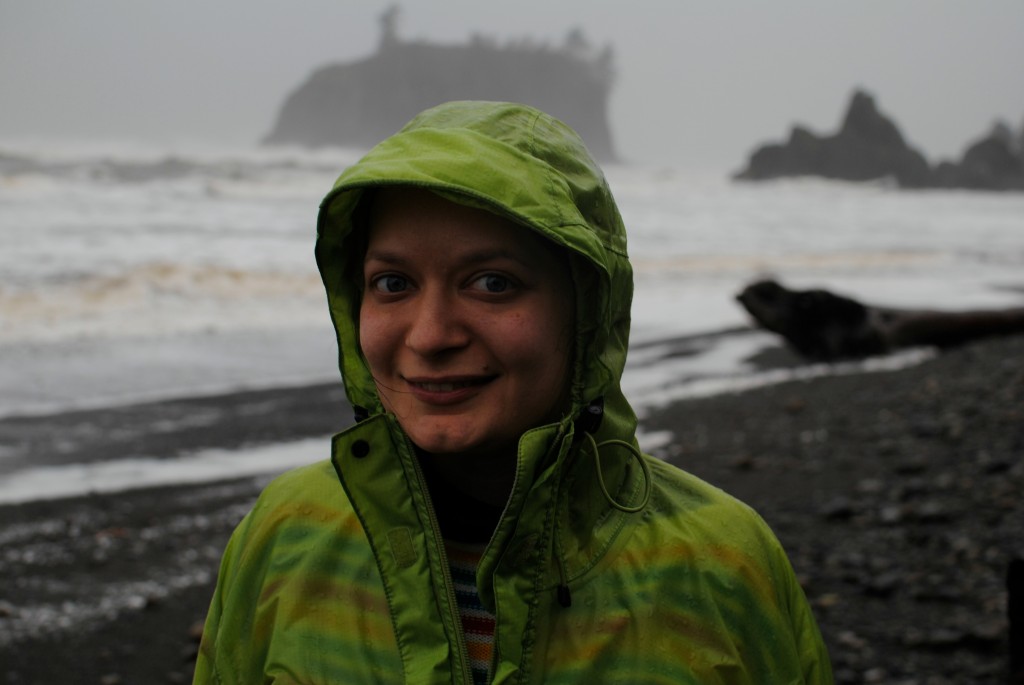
{"points": [[890, 515], [884, 585], [838, 508]]}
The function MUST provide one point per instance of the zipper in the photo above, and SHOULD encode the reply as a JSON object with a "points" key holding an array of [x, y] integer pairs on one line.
{"points": [[453, 607], [492, 669], [435, 529]]}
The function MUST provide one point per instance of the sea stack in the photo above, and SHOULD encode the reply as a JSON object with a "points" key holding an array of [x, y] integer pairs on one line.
{"points": [[992, 162], [867, 146], [360, 103]]}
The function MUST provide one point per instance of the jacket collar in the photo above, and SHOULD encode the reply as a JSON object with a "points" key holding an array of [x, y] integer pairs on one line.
{"points": [[559, 520]]}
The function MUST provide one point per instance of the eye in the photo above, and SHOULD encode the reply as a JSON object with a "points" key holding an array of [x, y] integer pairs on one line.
{"points": [[390, 283], [492, 283]]}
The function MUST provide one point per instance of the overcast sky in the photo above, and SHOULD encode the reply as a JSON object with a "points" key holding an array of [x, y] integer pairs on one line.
{"points": [[700, 82]]}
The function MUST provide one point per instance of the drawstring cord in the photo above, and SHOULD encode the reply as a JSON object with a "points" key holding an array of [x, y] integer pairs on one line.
{"points": [[564, 596], [635, 453]]}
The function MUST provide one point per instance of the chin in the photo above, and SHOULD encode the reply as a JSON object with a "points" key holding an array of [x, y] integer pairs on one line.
{"points": [[440, 442], [454, 444]]}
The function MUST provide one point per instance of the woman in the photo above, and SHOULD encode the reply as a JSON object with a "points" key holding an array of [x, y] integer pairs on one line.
{"points": [[489, 518]]}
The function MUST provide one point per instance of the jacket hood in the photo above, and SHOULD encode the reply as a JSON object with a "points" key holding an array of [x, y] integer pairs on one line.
{"points": [[519, 163]]}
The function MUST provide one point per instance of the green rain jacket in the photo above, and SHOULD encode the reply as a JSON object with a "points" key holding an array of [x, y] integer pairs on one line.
{"points": [[606, 566]]}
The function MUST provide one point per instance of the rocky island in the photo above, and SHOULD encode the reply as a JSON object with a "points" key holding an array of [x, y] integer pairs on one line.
{"points": [[870, 146], [360, 103]]}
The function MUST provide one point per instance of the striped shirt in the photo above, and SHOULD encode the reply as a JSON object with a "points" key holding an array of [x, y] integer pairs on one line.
{"points": [[477, 622]]}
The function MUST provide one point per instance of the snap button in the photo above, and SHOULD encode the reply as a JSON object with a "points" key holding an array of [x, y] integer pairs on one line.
{"points": [[360, 448]]}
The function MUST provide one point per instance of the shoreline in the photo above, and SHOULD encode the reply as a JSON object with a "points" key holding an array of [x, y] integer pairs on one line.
{"points": [[896, 494], [212, 435]]}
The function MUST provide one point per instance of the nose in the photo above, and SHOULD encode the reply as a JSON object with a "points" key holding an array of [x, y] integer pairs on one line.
{"points": [[436, 325]]}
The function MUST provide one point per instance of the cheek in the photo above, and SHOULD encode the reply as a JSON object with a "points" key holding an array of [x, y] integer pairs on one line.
{"points": [[559, 328], [542, 345], [373, 337]]}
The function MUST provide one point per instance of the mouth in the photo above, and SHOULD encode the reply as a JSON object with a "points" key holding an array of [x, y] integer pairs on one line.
{"points": [[447, 389], [447, 386]]}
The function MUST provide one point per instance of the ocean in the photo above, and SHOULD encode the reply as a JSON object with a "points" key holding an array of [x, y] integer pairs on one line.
{"points": [[131, 274]]}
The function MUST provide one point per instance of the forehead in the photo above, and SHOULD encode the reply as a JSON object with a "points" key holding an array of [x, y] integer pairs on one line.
{"points": [[410, 217]]}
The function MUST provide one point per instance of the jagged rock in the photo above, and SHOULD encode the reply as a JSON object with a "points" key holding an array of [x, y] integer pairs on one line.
{"points": [[994, 162], [868, 146], [360, 103]]}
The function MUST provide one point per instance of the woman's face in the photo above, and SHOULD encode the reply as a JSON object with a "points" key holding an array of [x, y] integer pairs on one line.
{"points": [[466, 323]]}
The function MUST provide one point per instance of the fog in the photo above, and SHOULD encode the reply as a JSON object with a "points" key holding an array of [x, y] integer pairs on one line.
{"points": [[699, 83]]}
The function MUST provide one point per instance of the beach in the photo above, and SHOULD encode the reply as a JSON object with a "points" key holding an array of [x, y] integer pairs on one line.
{"points": [[898, 497], [895, 492], [165, 349]]}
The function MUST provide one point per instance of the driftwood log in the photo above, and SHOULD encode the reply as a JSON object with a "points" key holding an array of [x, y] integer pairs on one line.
{"points": [[822, 325]]}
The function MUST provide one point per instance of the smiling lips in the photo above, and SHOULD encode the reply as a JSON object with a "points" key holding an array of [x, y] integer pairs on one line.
{"points": [[446, 391]]}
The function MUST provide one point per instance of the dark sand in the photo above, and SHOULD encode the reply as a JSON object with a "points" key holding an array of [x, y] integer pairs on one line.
{"points": [[899, 496]]}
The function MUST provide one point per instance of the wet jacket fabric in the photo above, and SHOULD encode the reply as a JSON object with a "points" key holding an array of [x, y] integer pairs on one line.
{"points": [[607, 566]]}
